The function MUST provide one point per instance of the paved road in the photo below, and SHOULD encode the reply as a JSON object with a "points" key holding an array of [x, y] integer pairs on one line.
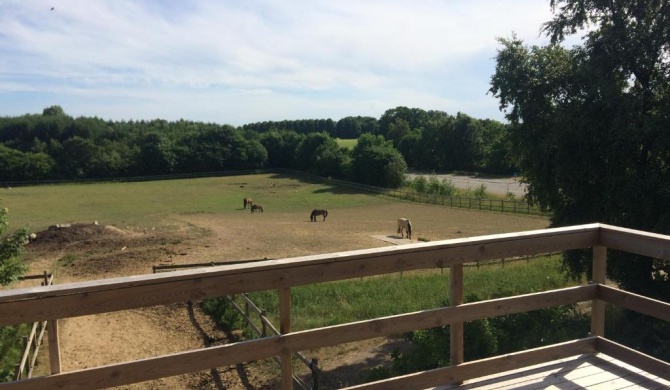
{"points": [[496, 185]]}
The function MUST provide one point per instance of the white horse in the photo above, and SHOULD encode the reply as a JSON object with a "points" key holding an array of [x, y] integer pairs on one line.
{"points": [[404, 223]]}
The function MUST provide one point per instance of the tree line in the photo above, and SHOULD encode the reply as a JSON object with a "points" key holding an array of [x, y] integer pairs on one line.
{"points": [[56, 146]]}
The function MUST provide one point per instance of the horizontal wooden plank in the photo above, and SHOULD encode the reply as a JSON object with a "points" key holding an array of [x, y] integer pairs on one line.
{"points": [[635, 302], [392, 325], [84, 298], [469, 370], [153, 368], [634, 358], [635, 241]]}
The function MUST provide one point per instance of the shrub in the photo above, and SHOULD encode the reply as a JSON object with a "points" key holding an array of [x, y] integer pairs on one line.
{"points": [[223, 312], [480, 192]]}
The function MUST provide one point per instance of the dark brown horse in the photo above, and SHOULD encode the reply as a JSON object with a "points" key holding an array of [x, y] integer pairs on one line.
{"points": [[256, 208], [316, 212], [248, 202]]}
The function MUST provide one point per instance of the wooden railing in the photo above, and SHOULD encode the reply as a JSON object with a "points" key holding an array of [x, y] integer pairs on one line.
{"points": [[33, 342], [100, 296]]}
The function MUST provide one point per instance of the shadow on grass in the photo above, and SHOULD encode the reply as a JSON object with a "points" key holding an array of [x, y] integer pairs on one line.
{"points": [[359, 372]]}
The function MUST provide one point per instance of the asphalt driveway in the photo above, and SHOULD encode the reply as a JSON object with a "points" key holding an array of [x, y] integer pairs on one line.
{"points": [[494, 184]]}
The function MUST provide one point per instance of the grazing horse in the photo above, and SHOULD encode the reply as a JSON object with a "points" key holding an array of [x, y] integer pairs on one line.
{"points": [[248, 202], [256, 207], [404, 223], [316, 212]]}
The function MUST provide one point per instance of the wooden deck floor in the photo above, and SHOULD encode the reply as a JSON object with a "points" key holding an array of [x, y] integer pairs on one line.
{"points": [[590, 371]]}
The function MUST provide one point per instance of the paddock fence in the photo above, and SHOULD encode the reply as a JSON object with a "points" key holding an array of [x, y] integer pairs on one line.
{"points": [[487, 204], [499, 205], [33, 342], [263, 326]]}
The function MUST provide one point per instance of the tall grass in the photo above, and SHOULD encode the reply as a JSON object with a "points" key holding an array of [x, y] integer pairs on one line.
{"points": [[340, 302]]}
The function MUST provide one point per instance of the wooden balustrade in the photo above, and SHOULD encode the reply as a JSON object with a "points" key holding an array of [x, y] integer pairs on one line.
{"points": [[84, 298]]}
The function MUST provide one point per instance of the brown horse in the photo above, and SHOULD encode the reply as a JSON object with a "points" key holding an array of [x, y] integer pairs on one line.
{"points": [[316, 212], [247, 202], [406, 225], [256, 208]]}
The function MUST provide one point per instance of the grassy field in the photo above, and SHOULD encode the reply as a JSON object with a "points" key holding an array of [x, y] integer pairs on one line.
{"points": [[347, 143], [356, 300], [145, 204]]}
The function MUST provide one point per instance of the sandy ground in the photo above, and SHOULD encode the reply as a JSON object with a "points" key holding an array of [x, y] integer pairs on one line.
{"points": [[97, 252]]}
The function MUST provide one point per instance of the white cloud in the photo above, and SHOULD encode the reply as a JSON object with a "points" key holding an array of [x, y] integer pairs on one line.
{"points": [[239, 62]]}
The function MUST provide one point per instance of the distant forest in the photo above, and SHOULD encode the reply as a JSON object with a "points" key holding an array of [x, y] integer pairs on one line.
{"points": [[54, 146]]}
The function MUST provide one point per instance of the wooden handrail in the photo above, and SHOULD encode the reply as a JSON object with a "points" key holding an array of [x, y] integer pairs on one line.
{"points": [[106, 295]]}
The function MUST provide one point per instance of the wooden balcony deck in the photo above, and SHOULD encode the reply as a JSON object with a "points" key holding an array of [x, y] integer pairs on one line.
{"points": [[587, 371]]}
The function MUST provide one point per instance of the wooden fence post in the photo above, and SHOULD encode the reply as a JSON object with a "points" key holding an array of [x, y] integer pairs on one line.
{"points": [[284, 328], [313, 366], [54, 348], [262, 314], [52, 330], [455, 299], [599, 276]]}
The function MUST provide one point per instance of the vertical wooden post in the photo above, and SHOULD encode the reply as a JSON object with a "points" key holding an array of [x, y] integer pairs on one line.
{"points": [[54, 349], [284, 328], [262, 315], [599, 276], [456, 298], [314, 367]]}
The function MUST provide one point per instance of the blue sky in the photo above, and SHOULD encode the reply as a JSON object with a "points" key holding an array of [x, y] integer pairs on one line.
{"points": [[236, 62]]}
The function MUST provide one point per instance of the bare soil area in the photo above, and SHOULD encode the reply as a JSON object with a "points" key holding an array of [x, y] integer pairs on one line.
{"points": [[88, 251]]}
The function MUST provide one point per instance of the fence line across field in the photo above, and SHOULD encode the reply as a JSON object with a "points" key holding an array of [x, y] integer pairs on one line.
{"points": [[501, 205]]}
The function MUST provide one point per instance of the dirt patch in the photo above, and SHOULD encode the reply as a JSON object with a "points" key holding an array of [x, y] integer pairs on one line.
{"points": [[88, 251]]}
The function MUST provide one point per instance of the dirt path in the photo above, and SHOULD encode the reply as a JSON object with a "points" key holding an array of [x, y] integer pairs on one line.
{"points": [[103, 252]]}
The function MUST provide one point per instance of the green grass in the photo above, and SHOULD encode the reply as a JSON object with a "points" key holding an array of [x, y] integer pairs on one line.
{"points": [[354, 300], [347, 143], [145, 204]]}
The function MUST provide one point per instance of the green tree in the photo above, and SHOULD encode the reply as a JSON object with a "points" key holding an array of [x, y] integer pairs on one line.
{"points": [[376, 162], [348, 128], [11, 268], [591, 125], [319, 154], [11, 246], [281, 147], [17, 166], [53, 111], [415, 118], [157, 155]]}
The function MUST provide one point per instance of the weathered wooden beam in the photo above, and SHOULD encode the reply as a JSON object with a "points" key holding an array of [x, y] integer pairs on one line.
{"points": [[600, 277], [635, 241], [456, 330], [634, 358], [634, 302]]}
